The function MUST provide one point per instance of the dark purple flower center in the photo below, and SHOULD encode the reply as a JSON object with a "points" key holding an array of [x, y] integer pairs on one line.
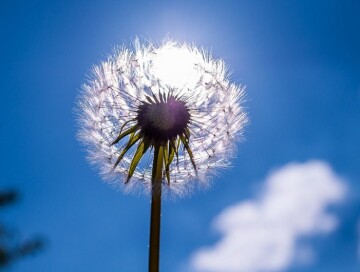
{"points": [[162, 121]]}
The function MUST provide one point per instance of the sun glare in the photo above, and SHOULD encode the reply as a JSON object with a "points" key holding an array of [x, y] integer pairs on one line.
{"points": [[176, 66]]}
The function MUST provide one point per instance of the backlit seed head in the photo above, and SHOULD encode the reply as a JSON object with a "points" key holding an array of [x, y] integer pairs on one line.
{"points": [[172, 95]]}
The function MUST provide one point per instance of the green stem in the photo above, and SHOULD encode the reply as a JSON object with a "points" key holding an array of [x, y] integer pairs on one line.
{"points": [[156, 180]]}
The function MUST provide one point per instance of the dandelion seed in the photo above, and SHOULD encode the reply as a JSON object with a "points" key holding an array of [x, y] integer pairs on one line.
{"points": [[160, 118]]}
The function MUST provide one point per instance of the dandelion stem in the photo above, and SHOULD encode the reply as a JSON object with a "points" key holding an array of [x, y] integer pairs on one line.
{"points": [[156, 180]]}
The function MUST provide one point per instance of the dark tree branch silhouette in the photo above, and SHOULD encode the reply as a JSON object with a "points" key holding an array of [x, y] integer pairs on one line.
{"points": [[11, 249]]}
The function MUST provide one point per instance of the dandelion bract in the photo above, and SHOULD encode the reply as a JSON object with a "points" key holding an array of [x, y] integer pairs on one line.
{"points": [[172, 95]]}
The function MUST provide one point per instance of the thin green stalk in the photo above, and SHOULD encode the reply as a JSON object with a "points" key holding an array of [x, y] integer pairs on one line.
{"points": [[156, 180]]}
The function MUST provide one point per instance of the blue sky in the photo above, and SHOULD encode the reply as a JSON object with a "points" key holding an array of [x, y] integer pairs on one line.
{"points": [[300, 62]]}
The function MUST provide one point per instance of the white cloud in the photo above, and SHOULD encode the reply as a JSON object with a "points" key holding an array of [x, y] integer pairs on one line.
{"points": [[262, 234]]}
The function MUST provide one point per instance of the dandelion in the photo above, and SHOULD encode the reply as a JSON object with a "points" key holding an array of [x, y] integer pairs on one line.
{"points": [[160, 118]]}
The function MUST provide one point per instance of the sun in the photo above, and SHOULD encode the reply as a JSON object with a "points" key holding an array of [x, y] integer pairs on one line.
{"points": [[176, 66]]}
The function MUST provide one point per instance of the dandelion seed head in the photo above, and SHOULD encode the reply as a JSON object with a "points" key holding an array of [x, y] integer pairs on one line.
{"points": [[173, 95]]}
